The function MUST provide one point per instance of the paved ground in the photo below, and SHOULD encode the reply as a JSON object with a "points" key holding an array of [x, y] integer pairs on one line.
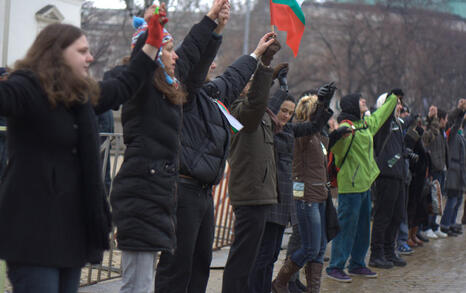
{"points": [[439, 266]]}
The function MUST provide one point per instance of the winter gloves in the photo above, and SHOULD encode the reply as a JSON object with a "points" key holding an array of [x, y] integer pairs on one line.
{"points": [[155, 28], [325, 93], [280, 72]]}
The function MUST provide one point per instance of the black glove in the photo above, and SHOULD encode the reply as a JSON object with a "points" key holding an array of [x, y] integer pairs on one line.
{"points": [[280, 72], [271, 50], [325, 93], [337, 134]]}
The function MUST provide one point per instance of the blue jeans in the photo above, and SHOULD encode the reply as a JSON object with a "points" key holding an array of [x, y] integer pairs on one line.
{"points": [[354, 214], [454, 200], [36, 279], [311, 222], [260, 278]]}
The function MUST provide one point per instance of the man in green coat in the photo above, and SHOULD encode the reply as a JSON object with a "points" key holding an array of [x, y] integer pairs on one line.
{"points": [[357, 173]]}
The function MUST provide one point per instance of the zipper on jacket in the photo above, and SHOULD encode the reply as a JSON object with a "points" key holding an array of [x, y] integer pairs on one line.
{"points": [[355, 173]]}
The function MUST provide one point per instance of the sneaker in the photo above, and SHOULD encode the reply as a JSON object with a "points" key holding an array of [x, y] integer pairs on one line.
{"points": [[421, 236], [404, 249], [339, 275], [440, 234], [363, 272], [430, 234], [380, 262]]}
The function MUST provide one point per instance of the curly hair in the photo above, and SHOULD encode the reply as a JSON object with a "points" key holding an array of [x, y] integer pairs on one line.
{"points": [[45, 59], [306, 107]]}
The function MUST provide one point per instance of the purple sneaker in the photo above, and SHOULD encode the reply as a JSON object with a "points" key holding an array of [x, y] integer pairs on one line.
{"points": [[363, 272], [339, 275]]}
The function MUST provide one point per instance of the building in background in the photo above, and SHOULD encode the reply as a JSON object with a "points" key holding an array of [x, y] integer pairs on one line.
{"points": [[21, 21]]}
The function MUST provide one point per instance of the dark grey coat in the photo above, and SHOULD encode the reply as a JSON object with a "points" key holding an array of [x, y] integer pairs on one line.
{"points": [[253, 178], [456, 143]]}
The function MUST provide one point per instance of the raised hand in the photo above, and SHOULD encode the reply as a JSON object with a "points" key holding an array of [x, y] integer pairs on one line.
{"points": [[271, 50], [264, 43], [215, 9], [325, 92], [155, 26], [223, 17], [280, 72]]}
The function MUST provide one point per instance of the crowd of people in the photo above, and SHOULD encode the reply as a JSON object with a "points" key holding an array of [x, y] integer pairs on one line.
{"points": [[181, 126]]}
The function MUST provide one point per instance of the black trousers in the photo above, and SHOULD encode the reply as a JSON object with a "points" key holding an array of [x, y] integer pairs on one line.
{"points": [[189, 268], [249, 229], [389, 211], [260, 278]]}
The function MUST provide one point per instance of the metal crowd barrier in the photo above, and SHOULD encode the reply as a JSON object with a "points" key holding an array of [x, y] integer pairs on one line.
{"points": [[112, 148]]}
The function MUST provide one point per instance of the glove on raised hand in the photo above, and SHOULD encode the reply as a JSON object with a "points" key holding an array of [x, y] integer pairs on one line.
{"points": [[155, 29], [280, 72], [325, 93]]}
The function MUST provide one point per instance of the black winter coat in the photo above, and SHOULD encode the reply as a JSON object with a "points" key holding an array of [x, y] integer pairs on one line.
{"points": [[144, 191], [206, 132], [53, 210], [389, 142]]}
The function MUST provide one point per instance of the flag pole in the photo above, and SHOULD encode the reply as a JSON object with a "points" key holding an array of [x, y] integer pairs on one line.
{"points": [[272, 28]]}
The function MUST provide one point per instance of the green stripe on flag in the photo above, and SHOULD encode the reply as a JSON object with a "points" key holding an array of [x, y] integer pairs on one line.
{"points": [[294, 6]]}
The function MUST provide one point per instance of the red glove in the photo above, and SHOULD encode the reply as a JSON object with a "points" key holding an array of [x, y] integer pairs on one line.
{"points": [[155, 29]]}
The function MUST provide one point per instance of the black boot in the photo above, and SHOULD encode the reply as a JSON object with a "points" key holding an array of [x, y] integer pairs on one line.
{"points": [[395, 259], [379, 261]]}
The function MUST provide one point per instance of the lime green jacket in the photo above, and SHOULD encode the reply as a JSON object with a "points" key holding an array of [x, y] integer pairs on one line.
{"points": [[360, 169]]}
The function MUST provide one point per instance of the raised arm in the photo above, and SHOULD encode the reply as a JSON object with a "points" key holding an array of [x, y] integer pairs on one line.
{"points": [[321, 117], [229, 85], [249, 110], [195, 43], [199, 73], [378, 118], [114, 92], [457, 116]]}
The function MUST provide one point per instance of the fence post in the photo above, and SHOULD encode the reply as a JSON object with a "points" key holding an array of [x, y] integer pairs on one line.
{"points": [[2, 276]]}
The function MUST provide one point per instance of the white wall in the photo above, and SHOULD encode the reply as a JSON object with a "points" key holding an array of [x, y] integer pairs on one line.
{"points": [[23, 26]]}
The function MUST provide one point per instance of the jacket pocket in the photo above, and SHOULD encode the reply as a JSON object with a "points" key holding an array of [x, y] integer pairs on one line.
{"points": [[355, 174], [162, 168]]}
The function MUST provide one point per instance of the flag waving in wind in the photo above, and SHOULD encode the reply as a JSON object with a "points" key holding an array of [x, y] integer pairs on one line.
{"points": [[287, 16]]}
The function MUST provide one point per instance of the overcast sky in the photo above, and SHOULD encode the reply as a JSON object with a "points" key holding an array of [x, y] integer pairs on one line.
{"points": [[115, 4]]}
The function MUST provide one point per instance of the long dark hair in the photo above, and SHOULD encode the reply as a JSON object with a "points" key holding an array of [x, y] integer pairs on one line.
{"points": [[45, 59]]}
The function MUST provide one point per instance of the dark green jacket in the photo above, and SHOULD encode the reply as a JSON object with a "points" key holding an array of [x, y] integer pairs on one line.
{"points": [[253, 178]]}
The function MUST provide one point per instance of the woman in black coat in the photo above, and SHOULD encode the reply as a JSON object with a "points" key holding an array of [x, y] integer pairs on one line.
{"points": [[54, 217], [143, 197]]}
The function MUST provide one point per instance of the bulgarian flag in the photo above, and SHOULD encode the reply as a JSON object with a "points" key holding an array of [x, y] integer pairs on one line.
{"points": [[287, 16]]}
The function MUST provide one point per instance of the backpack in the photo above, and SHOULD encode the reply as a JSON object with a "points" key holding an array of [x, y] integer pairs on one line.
{"points": [[332, 169]]}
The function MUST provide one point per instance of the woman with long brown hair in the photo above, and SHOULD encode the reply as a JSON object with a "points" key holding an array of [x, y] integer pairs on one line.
{"points": [[54, 217]]}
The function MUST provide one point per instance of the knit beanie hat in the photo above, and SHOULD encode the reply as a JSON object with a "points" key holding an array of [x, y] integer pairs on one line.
{"points": [[141, 27]]}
